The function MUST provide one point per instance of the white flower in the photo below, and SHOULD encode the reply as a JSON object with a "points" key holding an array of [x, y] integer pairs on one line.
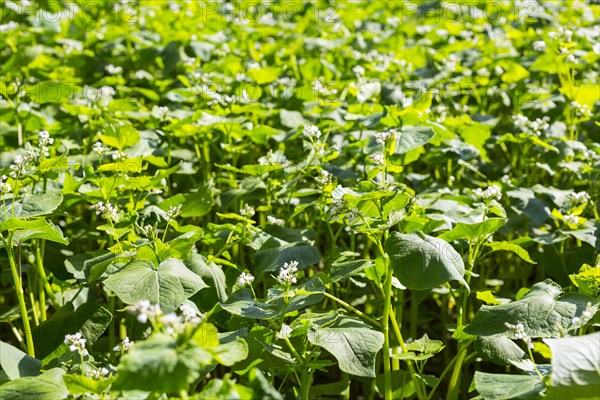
{"points": [[582, 110], [382, 137], [311, 131], [359, 70], [4, 186], [76, 343], [539, 45], [483, 72], [245, 279], [172, 212], [97, 373], [107, 91], [498, 70], [275, 221], [145, 311], [107, 210], [190, 314], [247, 211], [287, 274], [576, 199], [571, 219], [519, 332], [324, 177], [160, 112], [377, 158], [98, 148], [492, 192], [10, 26], [19, 165], [119, 156], [111, 69], [172, 322], [126, 344], [596, 48]]}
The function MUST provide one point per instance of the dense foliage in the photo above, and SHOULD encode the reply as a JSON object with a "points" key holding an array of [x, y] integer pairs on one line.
{"points": [[293, 199]]}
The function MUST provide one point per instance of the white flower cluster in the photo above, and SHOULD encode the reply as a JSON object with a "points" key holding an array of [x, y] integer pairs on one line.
{"points": [[44, 141], [311, 131], [519, 332], [275, 221], [576, 199], [287, 274], [324, 177], [531, 127], [272, 158], [561, 33], [112, 70], [4, 186], [98, 148], [382, 137], [107, 210], [97, 373], [587, 314], [377, 158], [119, 156], [176, 324], [247, 211], [358, 70], [125, 345], [159, 112], [145, 311], [76, 343], [571, 219], [492, 192], [245, 279], [539, 45], [582, 110], [353, 215], [173, 212]]}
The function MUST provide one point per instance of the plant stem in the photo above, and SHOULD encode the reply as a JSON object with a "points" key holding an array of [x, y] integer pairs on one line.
{"points": [[387, 298], [454, 385], [39, 265], [354, 310], [20, 296]]}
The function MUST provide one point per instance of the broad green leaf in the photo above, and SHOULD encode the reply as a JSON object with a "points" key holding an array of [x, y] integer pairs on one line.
{"points": [[32, 205], [542, 311], [575, 367], [181, 246], [24, 230], [473, 231], [80, 384], [512, 247], [119, 133], [503, 351], [587, 280], [271, 260], [231, 352], [341, 271], [59, 163], [412, 137], [242, 303], [48, 386], [423, 262], [264, 75], [211, 273], [17, 364], [503, 386], [353, 344], [262, 387], [168, 285], [157, 364], [91, 319]]}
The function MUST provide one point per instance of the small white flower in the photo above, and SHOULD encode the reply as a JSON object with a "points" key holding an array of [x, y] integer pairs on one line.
{"points": [[145, 311], [190, 314], [112, 70], [596, 48], [247, 211], [492, 192], [571, 219], [119, 156], [97, 373], [172, 322], [498, 70], [539, 45], [324, 177], [287, 274], [358, 70], [4, 186], [582, 110], [377, 158], [382, 137], [160, 112], [76, 343], [98, 148], [311, 131], [107, 210], [483, 72], [245, 279], [275, 221], [519, 332], [173, 212]]}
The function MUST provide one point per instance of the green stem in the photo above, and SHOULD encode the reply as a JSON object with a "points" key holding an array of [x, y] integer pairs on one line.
{"points": [[454, 385], [20, 296], [354, 310], [39, 265], [387, 298]]}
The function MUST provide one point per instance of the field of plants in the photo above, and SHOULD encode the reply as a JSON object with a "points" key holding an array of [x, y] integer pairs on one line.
{"points": [[299, 199]]}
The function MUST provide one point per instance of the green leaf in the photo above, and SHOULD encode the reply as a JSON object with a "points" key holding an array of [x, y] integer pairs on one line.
{"points": [[587, 280], [575, 367], [503, 351], [412, 137], [211, 273], [242, 303], [271, 260], [24, 230], [157, 365], [473, 231], [503, 386], [91, 319], [231, 352], [512, 247], [340, 271], [17, 364], [264, 75], [32, 205], [353, 344], [181, 246], [119, 133], [169, 285], [79, 384], [423, 262], [48, 386], [542, 312], [59, 163]]}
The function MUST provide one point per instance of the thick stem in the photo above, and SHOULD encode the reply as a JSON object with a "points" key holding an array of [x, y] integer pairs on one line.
{"points": [[39, 264], [385, 328], [454, 385], [20, 297]]}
